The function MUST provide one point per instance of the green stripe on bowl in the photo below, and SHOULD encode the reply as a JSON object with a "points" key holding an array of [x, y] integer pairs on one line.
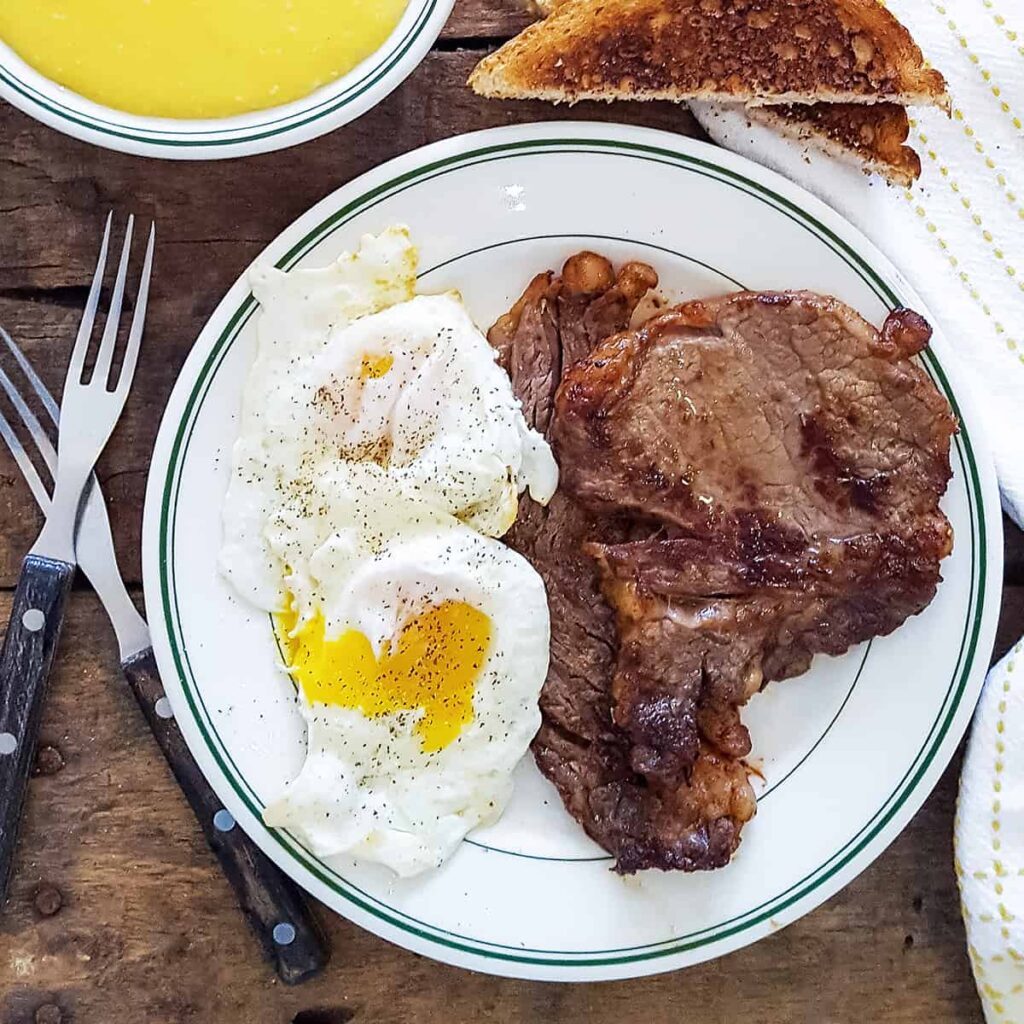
{"points": [[384, 60]]}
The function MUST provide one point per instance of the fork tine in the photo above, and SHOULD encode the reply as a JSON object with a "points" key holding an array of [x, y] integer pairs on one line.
{"points": [[28, 470], [28, 417], [77, 363], [33, 378], [101, 371], [131, 353]]}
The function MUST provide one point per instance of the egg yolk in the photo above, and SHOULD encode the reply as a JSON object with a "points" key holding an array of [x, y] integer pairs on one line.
{"points": [[433, 664], [375, 367], [195, 58]]}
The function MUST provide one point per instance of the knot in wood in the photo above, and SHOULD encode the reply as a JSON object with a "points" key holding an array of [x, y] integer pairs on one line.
{"points": [[49, 761], [48, 900]]}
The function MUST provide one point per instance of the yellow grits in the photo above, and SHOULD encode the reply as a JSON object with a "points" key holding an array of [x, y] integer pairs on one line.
{"points": [[195, 58]]}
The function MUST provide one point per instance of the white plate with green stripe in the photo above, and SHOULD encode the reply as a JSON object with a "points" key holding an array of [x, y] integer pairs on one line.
{"points": [[849, 751], [261, 131]]}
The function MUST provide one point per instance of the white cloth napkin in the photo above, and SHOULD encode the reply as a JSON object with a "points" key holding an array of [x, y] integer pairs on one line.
{"points": [[958, 236]]}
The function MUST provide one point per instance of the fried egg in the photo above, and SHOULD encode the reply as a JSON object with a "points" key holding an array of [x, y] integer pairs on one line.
{"points": [[415, 392], [420, 698], [298, 312], [352, 368], [381, 452]]}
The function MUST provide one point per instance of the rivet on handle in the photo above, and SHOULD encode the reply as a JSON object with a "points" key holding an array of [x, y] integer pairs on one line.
{"points": [[284, 933], [8, 743], [223, 821], [163, 708], [33, 620]]}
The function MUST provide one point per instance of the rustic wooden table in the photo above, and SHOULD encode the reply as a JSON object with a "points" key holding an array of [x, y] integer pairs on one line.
{"points": [[117, 912]]}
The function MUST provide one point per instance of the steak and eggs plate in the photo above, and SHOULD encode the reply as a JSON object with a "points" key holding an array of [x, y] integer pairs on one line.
{"points": [[742, 483], [380, 452]]}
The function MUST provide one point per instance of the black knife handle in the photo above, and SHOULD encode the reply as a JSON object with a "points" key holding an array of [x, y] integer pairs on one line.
{"points": [[29, 646], [274, 906]]}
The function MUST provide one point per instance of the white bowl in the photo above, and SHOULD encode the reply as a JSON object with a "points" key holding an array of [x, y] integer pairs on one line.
{"points": [[330, 107]]}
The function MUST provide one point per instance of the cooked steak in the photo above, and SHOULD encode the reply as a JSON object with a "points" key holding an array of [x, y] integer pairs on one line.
{"points": [[793, 458], [695, 645], [783, 408], [692, 825], [746, 482], [557, 321]]}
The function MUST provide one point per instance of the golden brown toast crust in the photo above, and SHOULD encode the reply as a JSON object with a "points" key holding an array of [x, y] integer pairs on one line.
{"points": [[787, 51], [873, 133]]}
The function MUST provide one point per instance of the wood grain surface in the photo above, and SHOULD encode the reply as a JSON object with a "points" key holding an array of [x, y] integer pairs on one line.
{"points": [[117, 912]]}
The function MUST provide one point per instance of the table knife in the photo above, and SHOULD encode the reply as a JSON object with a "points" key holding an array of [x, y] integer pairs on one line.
{"points": [[275, 908]]}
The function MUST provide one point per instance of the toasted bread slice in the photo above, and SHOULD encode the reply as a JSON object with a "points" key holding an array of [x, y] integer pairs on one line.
{"points": [[872, 134], [749, 51]]}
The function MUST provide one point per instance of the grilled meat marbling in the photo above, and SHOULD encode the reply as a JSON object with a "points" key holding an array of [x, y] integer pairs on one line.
{"points": [[745, 482], [689, 826], [795, 458]]}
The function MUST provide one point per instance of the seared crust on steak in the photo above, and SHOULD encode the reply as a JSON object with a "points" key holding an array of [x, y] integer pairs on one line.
{"points": [[798, 457], [557, 320], [787, 402], [691, 826], [746, 482]]}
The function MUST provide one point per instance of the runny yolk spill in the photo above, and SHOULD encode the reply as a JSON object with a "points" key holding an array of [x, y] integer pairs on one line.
{"points": [[434, 664], [195, 58], [375, 367]]}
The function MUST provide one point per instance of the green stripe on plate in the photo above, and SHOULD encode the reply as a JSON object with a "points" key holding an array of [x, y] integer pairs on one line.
{"points": [[391, 915]]}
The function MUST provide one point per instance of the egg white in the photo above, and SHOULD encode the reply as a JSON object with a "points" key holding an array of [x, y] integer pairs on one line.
{"points": [[298, 311], [442, 419], [380, 451], [367, 788]]}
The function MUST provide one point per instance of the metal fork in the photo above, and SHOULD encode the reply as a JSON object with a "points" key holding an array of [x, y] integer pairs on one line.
{"points": [[91, 409], [94, 544], [273, 905]]}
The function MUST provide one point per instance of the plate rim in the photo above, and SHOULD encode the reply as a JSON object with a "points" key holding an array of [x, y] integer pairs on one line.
{"points": [[460, 150], [325, 109]]}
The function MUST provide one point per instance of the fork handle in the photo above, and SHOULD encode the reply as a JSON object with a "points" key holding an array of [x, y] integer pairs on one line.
{"points": [[25, 661], [274, 906]]}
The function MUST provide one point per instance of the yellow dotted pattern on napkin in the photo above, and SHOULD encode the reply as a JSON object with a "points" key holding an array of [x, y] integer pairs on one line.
{"points": [[993, 86], [1001, 22], [999, 869], [990, 164], [965, 280], [965, 202]]}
